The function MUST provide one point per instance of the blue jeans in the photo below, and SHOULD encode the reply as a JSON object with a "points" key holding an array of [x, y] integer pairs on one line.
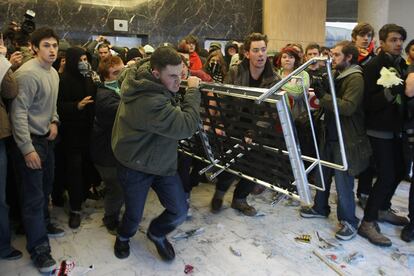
{"points": [[170, 192], [36, 186], [344, 187], [5, 247]]}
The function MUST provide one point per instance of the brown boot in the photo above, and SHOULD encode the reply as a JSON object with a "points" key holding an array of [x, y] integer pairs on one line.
{"points": [[369, 230], [217, 201], [244, 207], [391, 217]]}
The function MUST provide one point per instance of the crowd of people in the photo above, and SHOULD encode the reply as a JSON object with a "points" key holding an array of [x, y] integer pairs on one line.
{"points": [[72, 117]]}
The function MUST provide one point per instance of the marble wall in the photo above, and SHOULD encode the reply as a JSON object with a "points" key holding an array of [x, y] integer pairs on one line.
{"points": [[161, 20]]}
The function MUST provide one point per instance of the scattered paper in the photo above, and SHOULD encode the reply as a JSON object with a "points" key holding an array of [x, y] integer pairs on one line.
{"points": [[235, 252], [189, 233]]}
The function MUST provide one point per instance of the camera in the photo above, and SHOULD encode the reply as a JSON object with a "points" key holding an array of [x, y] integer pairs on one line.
{"points": [[28, 25], [16, 35]]}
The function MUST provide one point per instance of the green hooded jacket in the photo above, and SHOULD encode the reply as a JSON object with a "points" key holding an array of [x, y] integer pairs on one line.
{"points": [[149, 122], [349, 95]]}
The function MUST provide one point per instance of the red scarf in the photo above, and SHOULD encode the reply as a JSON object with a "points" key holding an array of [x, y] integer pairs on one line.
{"points": [[363, 53]]}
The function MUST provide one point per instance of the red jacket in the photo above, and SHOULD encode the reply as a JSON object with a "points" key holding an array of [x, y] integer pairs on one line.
{"points": [[195, 62]]}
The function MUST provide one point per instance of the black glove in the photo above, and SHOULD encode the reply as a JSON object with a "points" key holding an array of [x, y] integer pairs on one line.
{"points": [[320, 87]]}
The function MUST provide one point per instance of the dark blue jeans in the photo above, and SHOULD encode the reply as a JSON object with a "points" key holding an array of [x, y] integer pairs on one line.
{"points": [[36, 186], [135, 187], [5, 247], [344, 184]]}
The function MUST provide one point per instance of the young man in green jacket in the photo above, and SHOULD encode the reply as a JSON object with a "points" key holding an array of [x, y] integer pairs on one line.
{"points": [[147, 127], [349, 85]]}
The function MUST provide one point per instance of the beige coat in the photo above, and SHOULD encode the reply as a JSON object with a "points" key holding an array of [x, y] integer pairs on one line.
{"points": [[8, 91]]}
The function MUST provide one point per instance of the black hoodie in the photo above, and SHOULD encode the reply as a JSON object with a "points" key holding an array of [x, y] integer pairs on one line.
{"points": [[75, 124]]}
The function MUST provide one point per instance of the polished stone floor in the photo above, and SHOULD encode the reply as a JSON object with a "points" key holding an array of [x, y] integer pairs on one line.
{"points": [[229, 243]]}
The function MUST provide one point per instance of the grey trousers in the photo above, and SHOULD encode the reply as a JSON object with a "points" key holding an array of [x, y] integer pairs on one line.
{"points": [[114, 198]]}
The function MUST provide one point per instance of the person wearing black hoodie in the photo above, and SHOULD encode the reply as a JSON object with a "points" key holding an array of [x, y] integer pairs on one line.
{"points": [[76, 110]]}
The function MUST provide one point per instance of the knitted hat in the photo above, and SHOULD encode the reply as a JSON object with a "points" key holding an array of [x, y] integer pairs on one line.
{"points": [[215, 44]]}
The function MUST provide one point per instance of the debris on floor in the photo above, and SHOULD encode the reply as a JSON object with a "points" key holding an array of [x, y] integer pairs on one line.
{"points": [[381, 271], [220, 226], [332, 265], [188, 269], [260, 214], [332, 257], [404, 257], [292, 203], [69, 268], [189, 233], [277, 198], [354, 257], [235, 252], [328, 243], [303, 238]]}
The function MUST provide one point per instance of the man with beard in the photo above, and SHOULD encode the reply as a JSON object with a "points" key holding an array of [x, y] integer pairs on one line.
{"points": [[349, 84]]}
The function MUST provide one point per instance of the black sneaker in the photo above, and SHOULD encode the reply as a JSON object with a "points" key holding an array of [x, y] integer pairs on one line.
{"points": [[121, 249], [308, 212], [13, 255], [346, 232], [43, 260], [74, 220], [164, 247], [54, 232]]}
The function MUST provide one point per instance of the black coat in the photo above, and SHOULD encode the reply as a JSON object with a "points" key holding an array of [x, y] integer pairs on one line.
{"points": [[381, 114], [76, 124], [106, 104]]}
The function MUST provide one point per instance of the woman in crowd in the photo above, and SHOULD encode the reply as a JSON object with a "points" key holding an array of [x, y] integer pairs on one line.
{"points": [[215, 66], [191, 43], [287, 62]]}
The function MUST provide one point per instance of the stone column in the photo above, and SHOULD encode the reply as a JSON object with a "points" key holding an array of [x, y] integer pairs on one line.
{"points": [[374, 12], [297, 21]]}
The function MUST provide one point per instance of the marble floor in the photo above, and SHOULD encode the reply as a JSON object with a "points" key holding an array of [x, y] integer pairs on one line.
{"points": [[229, 243]]}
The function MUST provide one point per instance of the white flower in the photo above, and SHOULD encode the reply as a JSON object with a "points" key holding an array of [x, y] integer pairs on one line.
{"points": [[388, 78]]}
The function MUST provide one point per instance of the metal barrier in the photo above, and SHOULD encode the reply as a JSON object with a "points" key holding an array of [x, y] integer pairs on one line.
{"points": [[231, 152]]}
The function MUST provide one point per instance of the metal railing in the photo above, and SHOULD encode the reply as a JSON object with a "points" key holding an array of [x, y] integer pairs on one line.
{"points": [[275, 96]]}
